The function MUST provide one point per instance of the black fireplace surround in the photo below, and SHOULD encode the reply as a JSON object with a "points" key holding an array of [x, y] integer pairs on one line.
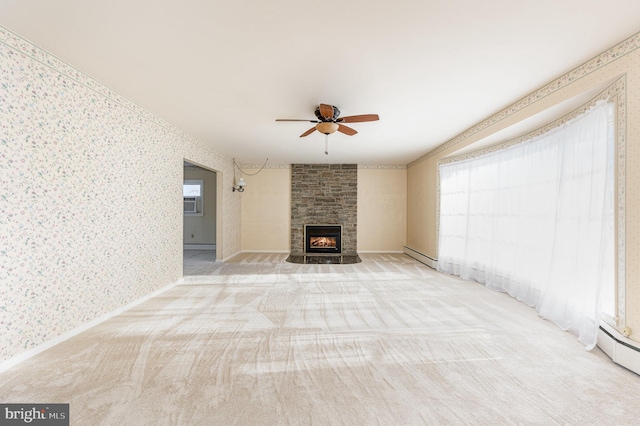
{"points": [[323, 244], [323, 239]]}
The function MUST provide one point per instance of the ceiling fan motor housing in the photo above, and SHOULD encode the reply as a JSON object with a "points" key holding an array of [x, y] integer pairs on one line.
{"points": [[336, 114]]}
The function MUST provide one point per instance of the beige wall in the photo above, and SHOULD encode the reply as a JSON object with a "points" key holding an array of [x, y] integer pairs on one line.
{"points": [[421, 209], [620, 61], [382, 209], [266, 210], [202, 229]]}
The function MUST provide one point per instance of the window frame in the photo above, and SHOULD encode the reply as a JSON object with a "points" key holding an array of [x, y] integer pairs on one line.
{"points": [[199, 199]]}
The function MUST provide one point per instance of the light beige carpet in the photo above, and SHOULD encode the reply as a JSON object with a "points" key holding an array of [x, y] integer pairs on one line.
{"points": [[387, 341]]}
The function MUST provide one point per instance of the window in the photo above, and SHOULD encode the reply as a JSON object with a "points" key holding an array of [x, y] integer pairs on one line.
{"points": [[536, 220], [192, 193]]}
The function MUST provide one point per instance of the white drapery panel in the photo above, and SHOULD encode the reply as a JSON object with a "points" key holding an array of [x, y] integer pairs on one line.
{"points": [[536, 220]]}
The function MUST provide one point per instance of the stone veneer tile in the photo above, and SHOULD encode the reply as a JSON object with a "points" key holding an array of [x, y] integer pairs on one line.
{"points": [[324, 194]]}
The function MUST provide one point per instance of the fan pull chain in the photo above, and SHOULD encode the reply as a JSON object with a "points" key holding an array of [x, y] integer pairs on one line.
{"points": [[326, 144]]}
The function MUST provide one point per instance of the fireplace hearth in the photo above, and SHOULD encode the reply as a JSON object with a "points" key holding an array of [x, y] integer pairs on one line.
{"points": [[319, 259], [323, 239]]}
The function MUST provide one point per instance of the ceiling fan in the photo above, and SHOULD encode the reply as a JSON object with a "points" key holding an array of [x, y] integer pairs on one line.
{"points": [[329, 121]]}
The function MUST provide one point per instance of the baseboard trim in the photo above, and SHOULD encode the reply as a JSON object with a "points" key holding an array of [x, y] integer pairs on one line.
{"points": [[198, 246], [421, 257], [266, 251], [381, 251], [229, 257], [13, 361], [621, 350]]}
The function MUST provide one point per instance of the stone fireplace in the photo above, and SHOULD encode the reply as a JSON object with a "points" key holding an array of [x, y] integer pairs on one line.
{"points": [[324, 195]]}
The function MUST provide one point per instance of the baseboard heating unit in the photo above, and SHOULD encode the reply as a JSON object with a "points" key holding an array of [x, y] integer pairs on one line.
{"points": [[621, 350], [421, 257]]}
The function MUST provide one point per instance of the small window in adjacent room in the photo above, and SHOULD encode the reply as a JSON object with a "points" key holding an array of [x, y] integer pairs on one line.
{"points": [[192, 192]]}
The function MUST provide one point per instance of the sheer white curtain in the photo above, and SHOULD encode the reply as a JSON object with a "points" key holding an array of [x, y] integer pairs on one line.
{"points": [[536, 220]]}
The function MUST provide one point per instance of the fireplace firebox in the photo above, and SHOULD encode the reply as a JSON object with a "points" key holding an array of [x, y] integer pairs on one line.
{"points": [[323, 238]]}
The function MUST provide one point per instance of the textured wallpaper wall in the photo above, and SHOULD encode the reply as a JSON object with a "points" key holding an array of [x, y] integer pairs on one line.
{"points": [[90, 198]]}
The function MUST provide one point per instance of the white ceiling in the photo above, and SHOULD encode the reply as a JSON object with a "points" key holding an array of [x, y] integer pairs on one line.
{"points": [[223, 71]]}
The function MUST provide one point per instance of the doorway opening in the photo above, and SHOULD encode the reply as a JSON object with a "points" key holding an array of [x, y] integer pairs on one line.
{"points": [[200, 219]]}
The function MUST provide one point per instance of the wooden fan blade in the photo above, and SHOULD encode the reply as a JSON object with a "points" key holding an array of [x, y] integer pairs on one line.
{"points": [[326, 111], [358, 118], [346, 130], [308, 132], [297, 119]]}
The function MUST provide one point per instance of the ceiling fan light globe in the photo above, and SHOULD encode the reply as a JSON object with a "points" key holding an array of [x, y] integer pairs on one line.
{"points": [[327, 128]]}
